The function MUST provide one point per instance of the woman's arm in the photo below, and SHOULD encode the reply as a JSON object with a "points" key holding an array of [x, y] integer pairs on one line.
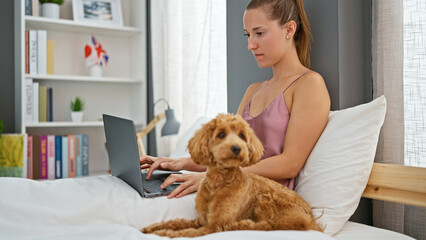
{"points": [[310, 107]]}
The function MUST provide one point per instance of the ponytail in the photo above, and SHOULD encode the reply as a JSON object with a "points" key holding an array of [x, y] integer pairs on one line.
{"points": [[303, 36], [285, 11]]}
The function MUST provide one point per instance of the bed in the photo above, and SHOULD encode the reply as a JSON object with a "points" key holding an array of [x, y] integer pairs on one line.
{"points": [[332, 181]]}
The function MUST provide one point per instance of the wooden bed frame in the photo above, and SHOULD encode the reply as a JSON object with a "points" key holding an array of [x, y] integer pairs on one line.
{"points": [[397, 183]]}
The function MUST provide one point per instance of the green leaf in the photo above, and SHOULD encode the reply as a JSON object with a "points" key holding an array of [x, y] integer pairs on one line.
{"points": [[77, 105], [59, 2]]}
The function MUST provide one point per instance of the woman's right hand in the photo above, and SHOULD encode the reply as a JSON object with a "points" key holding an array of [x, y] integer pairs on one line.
{"points": [[160, 163]]}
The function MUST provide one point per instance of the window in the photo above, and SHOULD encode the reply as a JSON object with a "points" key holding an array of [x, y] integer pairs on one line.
{"points": [[415, 82]]}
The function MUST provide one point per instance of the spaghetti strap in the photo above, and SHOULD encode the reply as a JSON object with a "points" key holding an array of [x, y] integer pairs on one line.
{"points": [[256, 91], [295, 80]]}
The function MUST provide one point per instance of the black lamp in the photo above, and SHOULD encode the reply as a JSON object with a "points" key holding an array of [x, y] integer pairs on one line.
{"points": [[171, 126]]}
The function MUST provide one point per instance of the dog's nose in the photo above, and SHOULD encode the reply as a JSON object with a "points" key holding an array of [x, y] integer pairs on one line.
{"points": [[236, 149]]}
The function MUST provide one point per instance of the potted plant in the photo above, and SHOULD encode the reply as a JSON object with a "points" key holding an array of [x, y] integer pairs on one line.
{"points": [[50, 8], [76, 107]]}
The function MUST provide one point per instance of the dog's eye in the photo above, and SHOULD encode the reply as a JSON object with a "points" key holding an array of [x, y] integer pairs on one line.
{"points": [[221, 135], [242, 136]]}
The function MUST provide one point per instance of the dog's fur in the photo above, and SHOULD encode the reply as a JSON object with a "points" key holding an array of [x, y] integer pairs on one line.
{"points": [[229, 199]]}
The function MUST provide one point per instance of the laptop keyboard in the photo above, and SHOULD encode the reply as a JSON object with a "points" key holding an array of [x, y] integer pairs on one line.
{"points": [[152, 185]]}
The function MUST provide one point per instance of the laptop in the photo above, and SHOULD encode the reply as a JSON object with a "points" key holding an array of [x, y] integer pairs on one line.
{"points": [[124, 158]]}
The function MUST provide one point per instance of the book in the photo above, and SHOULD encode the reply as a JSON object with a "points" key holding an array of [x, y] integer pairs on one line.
{"points": [[78, 156], [35, 7], [71, 156], [49, 104], [64, 156], [13, 155], [30, 157], [43, 157], [50, 57], [85, 154], [51, 157], [35, 101], [42, 51], [58, 156], [27, 51], [28, 7], [36, 157], [29, 100], [42, 104], [33, 58]]}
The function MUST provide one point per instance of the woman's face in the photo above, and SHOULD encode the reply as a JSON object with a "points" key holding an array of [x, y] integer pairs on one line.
{"points": [[266, 38]]}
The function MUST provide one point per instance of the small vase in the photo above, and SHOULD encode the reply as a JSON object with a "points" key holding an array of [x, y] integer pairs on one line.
{"points": [[50, 10], [95, 71], [77, 116]]}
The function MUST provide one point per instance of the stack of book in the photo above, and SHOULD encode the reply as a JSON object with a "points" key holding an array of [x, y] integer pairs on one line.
{"points": [[57, 156], [39, 53], [39, 102]]}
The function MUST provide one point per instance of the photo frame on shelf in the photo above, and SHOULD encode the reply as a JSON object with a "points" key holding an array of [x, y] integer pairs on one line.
{"points": [[102, 12]]}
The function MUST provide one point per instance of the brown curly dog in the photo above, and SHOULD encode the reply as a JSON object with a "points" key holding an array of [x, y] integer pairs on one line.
{"points": [[229, 199]]}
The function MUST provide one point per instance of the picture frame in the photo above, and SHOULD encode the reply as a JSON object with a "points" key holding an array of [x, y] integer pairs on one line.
{"points": [[102, 12]]}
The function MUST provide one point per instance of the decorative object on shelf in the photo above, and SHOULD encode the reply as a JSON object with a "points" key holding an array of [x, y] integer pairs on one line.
{"points": [[77, 107], [13, 158], [95, 56], [171, 126], [50, 8], [98, 11]]}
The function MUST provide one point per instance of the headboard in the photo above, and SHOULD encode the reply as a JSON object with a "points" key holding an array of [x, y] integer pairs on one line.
{"points": [[397, 183]]}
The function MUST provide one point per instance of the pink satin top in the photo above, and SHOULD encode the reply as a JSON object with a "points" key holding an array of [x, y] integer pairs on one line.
{"points": [[270, 126]]}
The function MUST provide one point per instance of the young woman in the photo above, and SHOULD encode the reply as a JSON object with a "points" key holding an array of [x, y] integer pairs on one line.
{"points": [[287, 112]]}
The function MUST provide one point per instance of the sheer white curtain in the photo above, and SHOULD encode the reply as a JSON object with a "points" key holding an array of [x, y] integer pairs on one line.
{"points": [[189, 61], [390, 50], [415, 82]]}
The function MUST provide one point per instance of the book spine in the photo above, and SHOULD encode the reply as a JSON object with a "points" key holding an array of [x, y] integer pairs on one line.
{"points": [[35, 8], [64, 156], [29, 100], [58, 156], [43, 157], [85, 154], [35, 101], [33, 52], [42, 104], [51, 156], [36, 157], [71, 156], [50, 57], [30, 158], [50, 104], [42, 51], [28, 8], [25, 157], [78, 156], [27, 51]]}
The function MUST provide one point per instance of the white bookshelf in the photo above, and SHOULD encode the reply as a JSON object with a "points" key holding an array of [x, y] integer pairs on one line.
{"points": [[121, 91]]}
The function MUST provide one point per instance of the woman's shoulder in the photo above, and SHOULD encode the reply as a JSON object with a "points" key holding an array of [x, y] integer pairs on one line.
{"points": [[310, 81]]}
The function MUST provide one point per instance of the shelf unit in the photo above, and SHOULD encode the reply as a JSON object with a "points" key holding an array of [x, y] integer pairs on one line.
{"points": [[121, 91]]}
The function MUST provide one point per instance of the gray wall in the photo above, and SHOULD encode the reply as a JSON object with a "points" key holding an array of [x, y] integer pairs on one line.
{"points": [[341, 53], [7, 103]]}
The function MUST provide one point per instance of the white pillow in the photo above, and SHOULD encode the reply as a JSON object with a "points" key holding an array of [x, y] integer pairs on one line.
{"points": [[180, 151], [337, 170]]}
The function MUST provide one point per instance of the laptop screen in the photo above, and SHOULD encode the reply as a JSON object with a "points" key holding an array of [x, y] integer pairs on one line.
{"points": [[123, 151]]}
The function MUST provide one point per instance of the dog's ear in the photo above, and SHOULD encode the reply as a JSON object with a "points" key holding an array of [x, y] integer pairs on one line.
{"points": [[198, 145], [255, 148]]}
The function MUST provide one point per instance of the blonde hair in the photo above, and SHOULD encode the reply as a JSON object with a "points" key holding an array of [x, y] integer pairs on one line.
{"points": [[286, 11]]}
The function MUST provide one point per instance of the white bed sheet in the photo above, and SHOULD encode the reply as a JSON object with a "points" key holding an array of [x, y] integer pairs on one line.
{"points": [[100, 207], [356, 231]]}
